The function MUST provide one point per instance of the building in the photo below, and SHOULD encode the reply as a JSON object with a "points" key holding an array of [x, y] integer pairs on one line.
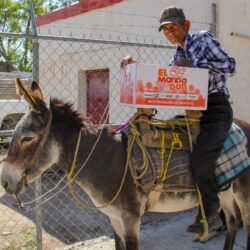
{"points": [[75, 70], [234, 34]]}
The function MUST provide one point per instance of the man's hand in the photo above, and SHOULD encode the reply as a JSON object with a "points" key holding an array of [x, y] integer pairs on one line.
{"points": [[127, 60], [184, 63]]}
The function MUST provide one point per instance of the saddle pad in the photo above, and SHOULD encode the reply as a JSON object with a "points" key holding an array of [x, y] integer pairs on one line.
{"points": [[178, 176], [233, 159], [231, 163]]}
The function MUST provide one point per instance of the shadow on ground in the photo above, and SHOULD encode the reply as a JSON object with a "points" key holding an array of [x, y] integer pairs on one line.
{"points": [[62, 218]]}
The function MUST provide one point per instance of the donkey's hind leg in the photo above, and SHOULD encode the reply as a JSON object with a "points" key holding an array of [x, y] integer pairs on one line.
{"points": [[242, 197], [231, 215], [245, 214], [247, 229], [232, 227]]}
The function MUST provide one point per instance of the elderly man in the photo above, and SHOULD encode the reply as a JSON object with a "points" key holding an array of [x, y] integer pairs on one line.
{"points": [[203, 50]]}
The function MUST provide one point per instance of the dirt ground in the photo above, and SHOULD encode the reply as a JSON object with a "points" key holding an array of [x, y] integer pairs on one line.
{"points": [[170, 235], [17, 232]]}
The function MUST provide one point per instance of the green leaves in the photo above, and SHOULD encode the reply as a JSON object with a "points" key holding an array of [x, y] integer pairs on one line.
{"points": [[15, 53]]}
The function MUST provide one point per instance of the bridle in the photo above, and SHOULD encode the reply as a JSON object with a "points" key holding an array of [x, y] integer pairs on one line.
{"points": [[41, 142]]}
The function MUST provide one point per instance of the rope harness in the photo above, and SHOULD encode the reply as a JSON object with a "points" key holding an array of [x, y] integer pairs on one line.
{"points": [[134, 137], [70, 177]]}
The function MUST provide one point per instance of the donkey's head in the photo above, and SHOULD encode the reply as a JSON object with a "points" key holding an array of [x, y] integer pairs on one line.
{"points": [[30, 152]]}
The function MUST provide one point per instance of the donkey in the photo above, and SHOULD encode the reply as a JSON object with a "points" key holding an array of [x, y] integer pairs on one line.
{"points": [[47, 136]]}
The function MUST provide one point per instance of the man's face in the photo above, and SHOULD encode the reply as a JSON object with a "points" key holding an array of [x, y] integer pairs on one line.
{"points": [[175, 33]]}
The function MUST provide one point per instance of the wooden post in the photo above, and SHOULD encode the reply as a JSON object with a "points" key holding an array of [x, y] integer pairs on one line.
{"points": [[144, 126]]}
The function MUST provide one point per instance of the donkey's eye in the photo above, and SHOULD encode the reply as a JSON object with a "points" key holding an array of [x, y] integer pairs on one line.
{"points": [[26, 139]]}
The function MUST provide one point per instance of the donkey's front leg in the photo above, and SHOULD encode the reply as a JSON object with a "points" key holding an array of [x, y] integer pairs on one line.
{"points": [[126, 232]]}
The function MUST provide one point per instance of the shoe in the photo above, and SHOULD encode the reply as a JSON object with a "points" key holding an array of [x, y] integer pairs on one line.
{"points": [[196, 227], [214, 223]]}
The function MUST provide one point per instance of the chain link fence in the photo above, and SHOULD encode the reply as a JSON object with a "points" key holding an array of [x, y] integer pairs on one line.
{"points": [[86, 73]]}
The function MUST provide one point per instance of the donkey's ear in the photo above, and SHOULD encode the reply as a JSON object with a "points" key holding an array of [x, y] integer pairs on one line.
{"points": [[36, 89], [34, 101]]}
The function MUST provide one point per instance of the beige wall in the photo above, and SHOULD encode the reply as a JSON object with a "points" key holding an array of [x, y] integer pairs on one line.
{"points": [[234, 17]]}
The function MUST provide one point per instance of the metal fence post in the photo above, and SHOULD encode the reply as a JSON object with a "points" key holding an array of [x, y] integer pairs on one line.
{"points": [[35, 75], [214, 20]]}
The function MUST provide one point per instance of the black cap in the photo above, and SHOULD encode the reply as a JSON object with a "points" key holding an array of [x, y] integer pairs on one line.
{"points": [[172, 15]]}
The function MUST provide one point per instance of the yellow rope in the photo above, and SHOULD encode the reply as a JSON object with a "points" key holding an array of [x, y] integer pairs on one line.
{"points": [[162, 151], [146, 159], [73, 166], [175, 141], [203, 214]]}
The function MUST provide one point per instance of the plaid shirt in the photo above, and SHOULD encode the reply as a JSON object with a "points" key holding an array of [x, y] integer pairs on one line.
{"points": [[205, 52]]}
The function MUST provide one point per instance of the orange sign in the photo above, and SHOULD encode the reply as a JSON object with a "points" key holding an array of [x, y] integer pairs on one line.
{"points": [[145, 85]]}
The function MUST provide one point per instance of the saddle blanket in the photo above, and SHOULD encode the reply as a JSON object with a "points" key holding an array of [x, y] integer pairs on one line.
{"points": [[231, 163], [233, 159]]}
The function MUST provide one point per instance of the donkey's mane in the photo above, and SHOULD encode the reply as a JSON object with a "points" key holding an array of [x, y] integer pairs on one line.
{"points": [[67, 109]]}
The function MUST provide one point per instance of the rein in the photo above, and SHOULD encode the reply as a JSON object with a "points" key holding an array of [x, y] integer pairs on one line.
{"points": [[70, 178]]}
